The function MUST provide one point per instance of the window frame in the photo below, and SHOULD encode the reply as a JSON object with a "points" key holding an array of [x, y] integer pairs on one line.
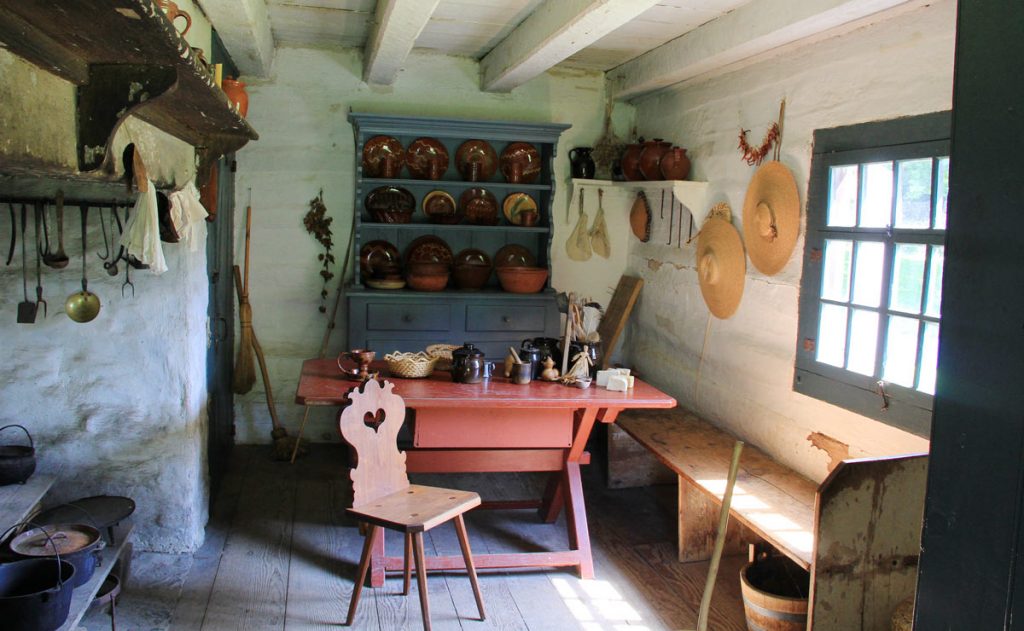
{"points": [[924, 136]]}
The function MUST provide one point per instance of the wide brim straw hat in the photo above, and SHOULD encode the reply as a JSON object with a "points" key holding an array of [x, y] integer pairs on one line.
{"points": [[771, 217], [721, 266]]}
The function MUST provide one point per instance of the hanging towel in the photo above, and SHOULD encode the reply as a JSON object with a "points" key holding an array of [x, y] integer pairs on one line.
{"points": [[189, 216], [141, 237]]}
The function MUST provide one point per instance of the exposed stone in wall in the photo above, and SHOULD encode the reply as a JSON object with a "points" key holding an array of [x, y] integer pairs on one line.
{"points": [[739, 372]]}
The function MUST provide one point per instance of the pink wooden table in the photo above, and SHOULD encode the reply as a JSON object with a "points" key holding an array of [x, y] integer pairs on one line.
{"points": [[497, 426]]}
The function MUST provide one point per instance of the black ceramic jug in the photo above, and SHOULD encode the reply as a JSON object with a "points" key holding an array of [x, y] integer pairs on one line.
{"points": [[581, 164]]}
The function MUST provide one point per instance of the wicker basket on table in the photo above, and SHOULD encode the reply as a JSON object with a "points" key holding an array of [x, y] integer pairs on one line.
{"points": [[443, 353], [410, 365]]}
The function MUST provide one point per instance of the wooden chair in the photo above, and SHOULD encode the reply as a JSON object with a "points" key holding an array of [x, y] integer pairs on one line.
{"points": [[383, 497]]}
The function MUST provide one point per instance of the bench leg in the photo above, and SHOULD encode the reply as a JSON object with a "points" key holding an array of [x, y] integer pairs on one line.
{"points": [[698, 525]]}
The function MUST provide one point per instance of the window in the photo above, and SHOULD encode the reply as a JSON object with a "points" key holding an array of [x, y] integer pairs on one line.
{"points": [[873, 256]]}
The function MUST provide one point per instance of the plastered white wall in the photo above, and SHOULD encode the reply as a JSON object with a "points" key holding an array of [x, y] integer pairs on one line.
{"points": [[739, 372], [117, 405], [306, 144]]}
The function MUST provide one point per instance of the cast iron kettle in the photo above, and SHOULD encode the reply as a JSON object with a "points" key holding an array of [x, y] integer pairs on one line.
{"points": [[467, 364]]}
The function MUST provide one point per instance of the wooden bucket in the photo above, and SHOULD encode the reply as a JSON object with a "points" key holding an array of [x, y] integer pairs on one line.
{"points": [[775, 595]]}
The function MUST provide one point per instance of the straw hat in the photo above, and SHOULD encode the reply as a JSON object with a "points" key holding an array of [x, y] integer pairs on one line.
{"points": [[771, 217], [721, 266]]}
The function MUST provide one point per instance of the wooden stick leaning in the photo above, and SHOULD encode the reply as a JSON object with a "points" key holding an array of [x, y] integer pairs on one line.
{"points": [[330, 327], [723, 525]]}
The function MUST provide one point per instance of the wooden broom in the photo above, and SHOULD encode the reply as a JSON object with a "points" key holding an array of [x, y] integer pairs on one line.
{"points": [[245, 375]]}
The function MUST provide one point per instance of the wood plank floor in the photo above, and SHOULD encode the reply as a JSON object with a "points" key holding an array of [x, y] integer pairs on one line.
{"points": [[280, 554]]}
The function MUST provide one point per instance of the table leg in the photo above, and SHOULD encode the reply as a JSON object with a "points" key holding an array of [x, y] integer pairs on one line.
{"points": [[551, 505], [576, 519]]}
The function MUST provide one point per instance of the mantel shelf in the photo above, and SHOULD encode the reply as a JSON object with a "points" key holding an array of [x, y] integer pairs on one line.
{"points": [[126, 58], [692, 195]]}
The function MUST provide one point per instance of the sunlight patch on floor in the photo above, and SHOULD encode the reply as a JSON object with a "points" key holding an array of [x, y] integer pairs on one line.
{"points": [[598, 606]]}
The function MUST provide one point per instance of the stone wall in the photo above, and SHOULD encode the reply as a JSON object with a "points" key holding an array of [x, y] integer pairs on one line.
{"points": [[306, 144], [739, 372], [118, 405]]}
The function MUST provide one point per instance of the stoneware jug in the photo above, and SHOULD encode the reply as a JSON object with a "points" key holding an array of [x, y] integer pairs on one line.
{"points": [[581, 164]]}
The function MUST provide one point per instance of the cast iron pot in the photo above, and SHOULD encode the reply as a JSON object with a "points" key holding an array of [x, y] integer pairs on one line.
{"points": [[78, 544], [35, 594], [17, 462]]}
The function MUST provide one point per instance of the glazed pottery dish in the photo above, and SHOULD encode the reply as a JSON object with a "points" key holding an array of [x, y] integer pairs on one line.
{"points": [[520, 210], [479, 207], [522, 280], [383, 157], [514, 255], [426, 159], [428, 249], [377, 254], [439, 207], [476, 160], [390, 204], [520, 163]]}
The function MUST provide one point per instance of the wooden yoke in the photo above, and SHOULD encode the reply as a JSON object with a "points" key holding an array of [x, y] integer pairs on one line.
{"points": [[371, 424]]}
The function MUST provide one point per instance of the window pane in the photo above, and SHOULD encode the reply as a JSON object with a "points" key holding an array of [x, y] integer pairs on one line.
{"points": [[867, 288], [929, 358], [842, 198], [863, 342], [835, 278], [914, 194], [933, 302], [940, 195], [832, 335], [900, 351], [907, 278], [876, 195]]}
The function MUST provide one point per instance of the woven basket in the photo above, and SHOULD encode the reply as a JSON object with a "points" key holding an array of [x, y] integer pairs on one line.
{"points": [[443, 353], [410, 365]]}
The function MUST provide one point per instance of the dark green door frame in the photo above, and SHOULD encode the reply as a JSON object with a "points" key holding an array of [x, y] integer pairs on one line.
{"points": [[972, 541]]}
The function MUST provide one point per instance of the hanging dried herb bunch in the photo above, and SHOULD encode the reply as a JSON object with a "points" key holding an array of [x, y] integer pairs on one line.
{"points": [[318, 224]]}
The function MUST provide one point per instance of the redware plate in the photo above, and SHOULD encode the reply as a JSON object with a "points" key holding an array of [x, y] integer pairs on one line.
{"points": [[377, 252], [378, 153], [427, 159], [473, 256], [514, 255], [476, 152], [428, 249], [479, 206], [520, 163], [517, 203], [439, 207]]}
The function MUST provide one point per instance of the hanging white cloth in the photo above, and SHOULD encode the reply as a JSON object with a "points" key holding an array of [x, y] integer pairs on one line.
{"points": [[141, 237], [188, 216]]}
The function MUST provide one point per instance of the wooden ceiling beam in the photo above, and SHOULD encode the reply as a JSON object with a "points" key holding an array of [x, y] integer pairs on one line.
{"points": [[244, 27], [753, 29], [556, 30], [396, 26]]}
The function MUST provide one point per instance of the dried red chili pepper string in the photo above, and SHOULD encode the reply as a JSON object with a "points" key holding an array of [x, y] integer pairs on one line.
{"points": [[773, 138]]}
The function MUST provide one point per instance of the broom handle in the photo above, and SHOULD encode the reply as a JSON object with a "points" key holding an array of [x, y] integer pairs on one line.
{"points": [[248, 228], [259, 355], [723, 524]]}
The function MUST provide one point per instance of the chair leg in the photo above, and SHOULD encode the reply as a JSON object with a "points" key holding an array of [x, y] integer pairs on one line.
{"points": [[421, 578], [364, 566], [408, 564], [460, 528]]}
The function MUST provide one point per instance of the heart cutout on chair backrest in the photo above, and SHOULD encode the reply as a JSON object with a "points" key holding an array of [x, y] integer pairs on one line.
{"points": [[373, 421]]}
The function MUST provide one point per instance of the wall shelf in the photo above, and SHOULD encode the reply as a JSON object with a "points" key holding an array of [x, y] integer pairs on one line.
{"points": [[692, 195], [126, 58]]}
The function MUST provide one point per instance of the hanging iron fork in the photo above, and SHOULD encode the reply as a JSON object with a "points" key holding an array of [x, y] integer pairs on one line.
{"points": [[671, 220], [127, 280], [39, 261]]}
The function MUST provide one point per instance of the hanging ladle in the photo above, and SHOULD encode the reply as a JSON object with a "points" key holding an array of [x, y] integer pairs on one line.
{"points": [[83, 306]]}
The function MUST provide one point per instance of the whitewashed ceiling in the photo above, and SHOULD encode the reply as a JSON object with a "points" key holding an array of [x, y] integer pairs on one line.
{"points": [[642, 45], [472, 28]]}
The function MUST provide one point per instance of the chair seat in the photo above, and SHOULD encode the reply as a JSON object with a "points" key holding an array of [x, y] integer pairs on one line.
{"points": [[416, 508]]}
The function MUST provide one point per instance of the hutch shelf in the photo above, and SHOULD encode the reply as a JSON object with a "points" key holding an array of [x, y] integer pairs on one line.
{"points": [[388, 320]]}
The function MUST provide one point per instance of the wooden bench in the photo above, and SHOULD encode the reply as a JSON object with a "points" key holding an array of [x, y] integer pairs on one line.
{"points": [[857, 533]]}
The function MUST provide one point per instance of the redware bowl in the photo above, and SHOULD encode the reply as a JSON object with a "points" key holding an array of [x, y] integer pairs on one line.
{"points": [[522, 280]]}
